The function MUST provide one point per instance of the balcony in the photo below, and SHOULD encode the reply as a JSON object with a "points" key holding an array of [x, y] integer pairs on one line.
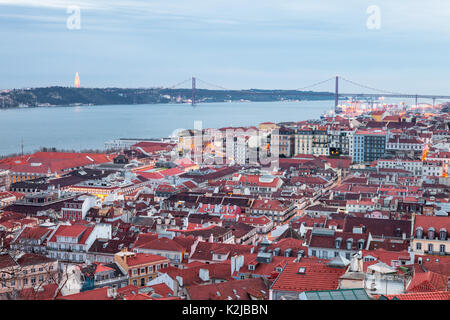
{"points": [[65, 249]]}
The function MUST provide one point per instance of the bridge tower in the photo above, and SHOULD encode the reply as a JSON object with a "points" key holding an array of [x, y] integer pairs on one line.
{"points": [[193, 91], [336, 94]]}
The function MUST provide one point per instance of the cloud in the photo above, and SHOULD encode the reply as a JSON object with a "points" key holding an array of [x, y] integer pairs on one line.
{"points": [[50, 4], [350, 15]]}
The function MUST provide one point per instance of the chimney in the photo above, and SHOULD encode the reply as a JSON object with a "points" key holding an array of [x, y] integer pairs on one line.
{"points": [[203, 274], [111, 292], [239, 262], [124, 255], [180, 280]]}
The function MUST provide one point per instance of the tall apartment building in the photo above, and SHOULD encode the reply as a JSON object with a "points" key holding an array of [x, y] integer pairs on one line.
{"points": [[283, 140], [367, 145], [339, 140], [5, 180], [315, 142]]}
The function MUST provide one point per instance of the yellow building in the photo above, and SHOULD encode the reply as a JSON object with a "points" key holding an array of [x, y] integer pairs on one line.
{"points": [[141, 267], [268, 126], [377, 115], [430, 235]]}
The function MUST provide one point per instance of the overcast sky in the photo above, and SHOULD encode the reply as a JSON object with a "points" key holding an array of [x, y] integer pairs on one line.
{"points": [[284, 44]]}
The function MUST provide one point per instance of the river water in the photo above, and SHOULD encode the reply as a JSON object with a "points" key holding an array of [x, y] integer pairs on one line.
{"points": [[89, 127]]}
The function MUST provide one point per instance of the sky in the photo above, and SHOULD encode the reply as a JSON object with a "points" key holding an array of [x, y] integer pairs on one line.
{"points": [[236, 44]]}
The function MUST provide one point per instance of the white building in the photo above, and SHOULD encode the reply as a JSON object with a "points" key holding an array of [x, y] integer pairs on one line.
{"points": [[69, 243]]}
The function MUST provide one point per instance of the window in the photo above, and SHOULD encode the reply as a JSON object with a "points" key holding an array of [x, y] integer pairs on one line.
{"points": [[135, 283], [361, 244], [430, 247], [418, 246], [349, 244], [313, 253], [431, 233], [337, 243], [443, 234], [142, 270], [442, 248]]}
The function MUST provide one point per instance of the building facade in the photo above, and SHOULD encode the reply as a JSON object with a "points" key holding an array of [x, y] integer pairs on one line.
{"points": [[368, 145], [313, 142]]}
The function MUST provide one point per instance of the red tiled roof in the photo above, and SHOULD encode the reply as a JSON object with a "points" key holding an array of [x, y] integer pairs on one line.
{"points": [[101, 268], [72, 231], [437, 295], [256, 180], [270, 204], [427, 222], [29, 259], [144, 258], [205, 250], [191, 276], [234, 290], [427, 282], [137, 296], [259, 220], [316, 276], [165, 244], [171, 172], [162, 289], [324, 241], [6, 261], [46, 292], [95, 294], [44, 162], [35, 233]]}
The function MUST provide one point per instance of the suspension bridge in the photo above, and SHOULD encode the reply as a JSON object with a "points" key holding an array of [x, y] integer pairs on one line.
{"points": [[378, 93]]}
